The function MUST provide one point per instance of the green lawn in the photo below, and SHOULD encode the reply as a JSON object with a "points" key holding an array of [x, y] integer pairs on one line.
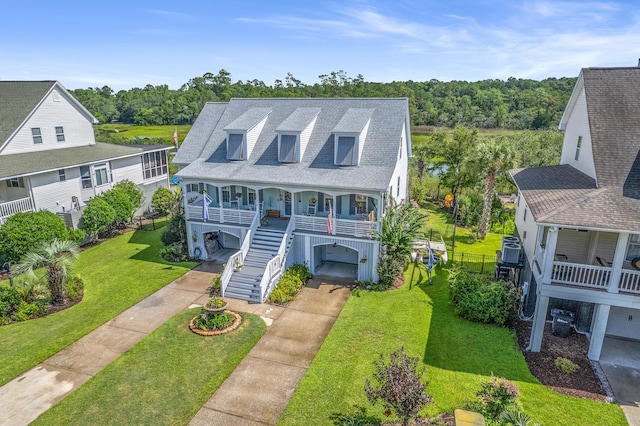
{"points": [[459, 355], [164, 379], [117, 274]]}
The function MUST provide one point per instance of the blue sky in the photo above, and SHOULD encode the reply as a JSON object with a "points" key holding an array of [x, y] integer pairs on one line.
{"points": [[126, 44]]}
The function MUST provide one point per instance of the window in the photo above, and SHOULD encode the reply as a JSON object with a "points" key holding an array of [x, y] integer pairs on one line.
{"points": [[287, 153], [251, 196], [62, 175], [524, 216], [85, 177], [226, 194], [361, 204], [346, 151], [633, 250], [59, 134], [15, 183], [398, 190], [37, 136], [578, 146], [103, 176], [195, 187], [235, 146], [154, 164]]}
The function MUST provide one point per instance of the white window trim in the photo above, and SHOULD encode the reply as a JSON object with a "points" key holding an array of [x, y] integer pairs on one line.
{"points": [[226, 194], [632, 243], [243, 145], [62, 175], [39, 135], [578, 148], [296, 154], [158, 169], [356, 147], [58, 134], [94, 173]]}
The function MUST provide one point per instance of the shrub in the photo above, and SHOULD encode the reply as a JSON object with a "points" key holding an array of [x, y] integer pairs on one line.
{"points": [[279, 296], [478, 299], [24, 231], [565, 365], [494, 397], [121, 205], [97, 216], [77, 235], [301, 270], [217, 321], [27, 310], [9, 299], [389, 268], [175, 231], [74, 287], [132, 192], [31, 288], [398, 385], [215, 284], [359, 417], [172, 251], [289, 284], [164, 200]]}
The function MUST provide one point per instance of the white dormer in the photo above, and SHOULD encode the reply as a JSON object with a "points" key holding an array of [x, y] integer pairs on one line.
{"points": [[350, 135], [294, 133], [243, 132]]}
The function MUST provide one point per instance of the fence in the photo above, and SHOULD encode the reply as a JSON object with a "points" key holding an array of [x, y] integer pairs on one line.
{"points": [[479, 263]]}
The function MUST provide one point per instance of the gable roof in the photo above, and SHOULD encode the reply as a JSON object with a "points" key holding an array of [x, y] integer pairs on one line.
{"points": [[563, 195], [30, 163], [18, 100], [204, 149]]}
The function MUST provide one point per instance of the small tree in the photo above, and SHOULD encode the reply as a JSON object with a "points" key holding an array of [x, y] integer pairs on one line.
{"points": [[97, 216], [24, 231], [165, 201], [398, 385], [58, 258], [121, 205], [133, 193]]}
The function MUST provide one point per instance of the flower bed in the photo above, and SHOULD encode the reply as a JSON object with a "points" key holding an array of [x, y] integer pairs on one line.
{"points": [[193, 326]]}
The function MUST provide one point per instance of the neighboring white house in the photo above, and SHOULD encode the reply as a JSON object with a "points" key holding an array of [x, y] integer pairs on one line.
{"points": [[318, 169], [49, 158], [579, 222]]}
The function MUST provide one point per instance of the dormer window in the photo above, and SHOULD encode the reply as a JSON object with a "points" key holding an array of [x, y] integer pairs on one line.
{"points": [[235, 146], [346, 151], [287, 152]]}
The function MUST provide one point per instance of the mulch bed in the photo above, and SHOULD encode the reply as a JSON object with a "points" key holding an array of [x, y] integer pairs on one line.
{"points": [[582, 384]]}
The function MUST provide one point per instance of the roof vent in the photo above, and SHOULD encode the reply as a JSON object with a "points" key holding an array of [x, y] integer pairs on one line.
{"points": [[638, 62]]}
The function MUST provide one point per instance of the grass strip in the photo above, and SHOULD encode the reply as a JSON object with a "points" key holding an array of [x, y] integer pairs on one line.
{"points": [[459, 356], [117, 274], [164, 379]]}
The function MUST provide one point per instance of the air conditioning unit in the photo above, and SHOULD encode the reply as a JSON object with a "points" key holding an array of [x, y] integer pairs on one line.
{"points": [[509, 240], [511, 253]]}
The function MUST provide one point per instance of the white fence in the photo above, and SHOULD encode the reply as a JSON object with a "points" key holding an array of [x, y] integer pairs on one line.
{"points": [[10, 208], [581, 275]]}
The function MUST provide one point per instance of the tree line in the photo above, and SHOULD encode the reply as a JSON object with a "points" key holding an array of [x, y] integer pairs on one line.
{"points": [[511, 104]]}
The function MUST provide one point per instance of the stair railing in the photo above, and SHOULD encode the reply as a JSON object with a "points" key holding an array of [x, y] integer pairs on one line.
{"points": [[235, 259], [272, 269], [246, 243]]}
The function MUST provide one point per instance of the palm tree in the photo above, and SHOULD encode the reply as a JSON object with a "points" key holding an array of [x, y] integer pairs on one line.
{"points": [[58, 258], [494, 156]]}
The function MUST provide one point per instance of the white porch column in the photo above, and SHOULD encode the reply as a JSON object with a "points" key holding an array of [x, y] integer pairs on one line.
{"points": [[549, 253], [219, 191], [539, 319], [374, 262], [307, 253], [600, 320], [618, 258]]}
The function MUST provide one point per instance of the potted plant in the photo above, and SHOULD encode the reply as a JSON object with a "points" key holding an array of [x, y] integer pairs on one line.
{"points": [[215, 304], [264, 221], [238, 194], [312, 200], [237, 265]]}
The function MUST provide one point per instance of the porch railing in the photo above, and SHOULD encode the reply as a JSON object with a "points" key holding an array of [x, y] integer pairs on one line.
{"points": [[10, 208], [357, 228], [228, 270], [242, 217], [630, 281], [270, 271], [581, 275]]}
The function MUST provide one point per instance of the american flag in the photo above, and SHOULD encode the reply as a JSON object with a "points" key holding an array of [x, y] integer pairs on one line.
{"points": [[175, 137], [206, 200], [330, 221]]}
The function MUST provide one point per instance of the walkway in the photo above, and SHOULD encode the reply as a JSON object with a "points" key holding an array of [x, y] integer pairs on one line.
{"points": [[26, 397], [256, 392], [620, 360], [259, 389]]}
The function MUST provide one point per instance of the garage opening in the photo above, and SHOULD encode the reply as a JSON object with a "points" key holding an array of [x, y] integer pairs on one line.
{"points": [[334, 260], [220, 245]]}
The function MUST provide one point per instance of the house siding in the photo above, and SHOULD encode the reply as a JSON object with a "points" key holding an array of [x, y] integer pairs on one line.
{"points": [[578, 125], [129, 168], [253, 135], [51, 194], [305, 135], [400, 170], [529, 226], [78, 130]]}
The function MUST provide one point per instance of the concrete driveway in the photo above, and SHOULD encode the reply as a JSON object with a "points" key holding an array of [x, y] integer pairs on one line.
{"points": [[620, 361]]}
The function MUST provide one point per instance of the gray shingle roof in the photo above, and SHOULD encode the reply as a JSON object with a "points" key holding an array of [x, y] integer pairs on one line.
{"points": [[17, 100], [248, 120], [562, 195], [354, 120], [33, 162], [298, 120], [377, 162]]}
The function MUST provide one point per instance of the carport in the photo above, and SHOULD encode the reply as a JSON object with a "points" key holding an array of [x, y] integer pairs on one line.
{"points": [[335, 260]]}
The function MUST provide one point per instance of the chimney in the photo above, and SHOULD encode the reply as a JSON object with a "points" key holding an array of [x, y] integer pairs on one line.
{"points": [[638, 62]]}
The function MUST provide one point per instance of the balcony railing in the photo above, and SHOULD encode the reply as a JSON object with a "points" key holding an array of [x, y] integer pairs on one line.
{"points": [[630, 281], [10, 208], [581, 275], [242, 217], [357, 228]]}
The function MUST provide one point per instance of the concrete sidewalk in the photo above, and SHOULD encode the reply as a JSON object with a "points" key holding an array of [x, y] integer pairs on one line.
{"points": [[259, 389], [23, 399]]}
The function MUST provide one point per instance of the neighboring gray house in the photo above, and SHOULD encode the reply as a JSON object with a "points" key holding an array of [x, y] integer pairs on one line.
{"points": [[49, 158], [318, 170], [579, 222]]}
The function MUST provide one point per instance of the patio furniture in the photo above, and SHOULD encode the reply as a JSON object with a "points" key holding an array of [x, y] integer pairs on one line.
{"points": [[635, 263], [561, 257], [602, 261]]}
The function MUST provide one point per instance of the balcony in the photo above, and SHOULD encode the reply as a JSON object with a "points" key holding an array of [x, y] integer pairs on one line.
{"points": [[594, 277], [10, 208]]}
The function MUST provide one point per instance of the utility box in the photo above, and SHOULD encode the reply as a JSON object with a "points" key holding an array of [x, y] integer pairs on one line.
{"points": [[562, 321]]}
